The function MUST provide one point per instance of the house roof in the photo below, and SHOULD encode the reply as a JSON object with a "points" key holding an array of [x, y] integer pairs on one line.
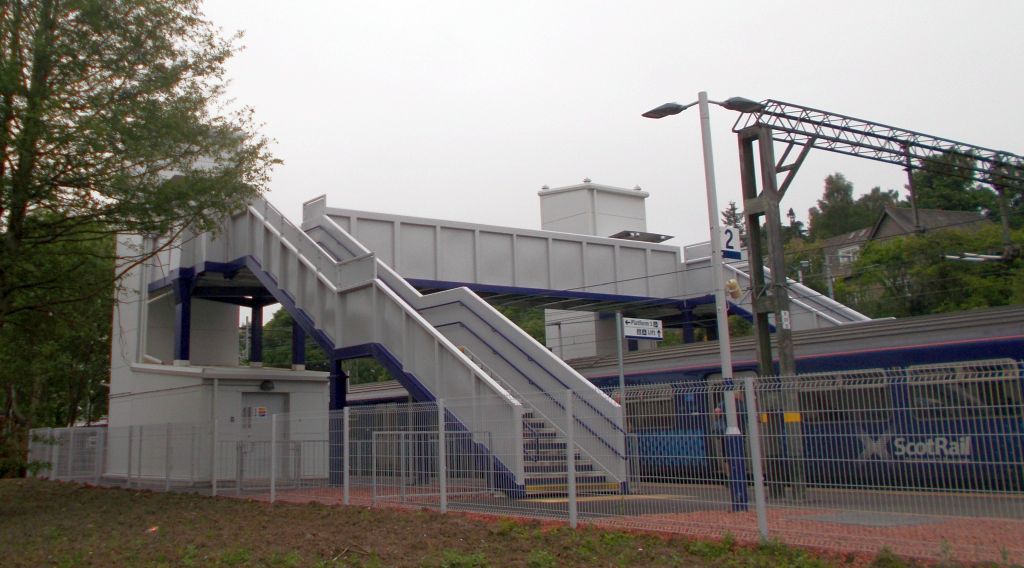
{"points": [[851, 238], [930, 219]]}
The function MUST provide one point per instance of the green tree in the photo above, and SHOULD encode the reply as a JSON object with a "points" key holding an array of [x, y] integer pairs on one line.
{"points": [[277, 352], [945, 181], [55, 364], [875, 201], [838, 212], [530, 320], [795, 229], [1006, 176], [834, 214], [912, 275], [111, 119]]}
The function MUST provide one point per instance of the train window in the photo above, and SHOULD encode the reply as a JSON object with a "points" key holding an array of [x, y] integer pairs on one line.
{"points": [[974, 389], [650, 408], [855, 396]]}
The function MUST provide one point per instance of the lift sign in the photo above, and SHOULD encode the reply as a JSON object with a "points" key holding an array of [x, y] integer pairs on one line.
{"points": [[633, 328]]}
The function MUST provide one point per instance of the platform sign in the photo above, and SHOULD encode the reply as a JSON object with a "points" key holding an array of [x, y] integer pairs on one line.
{"points": [[633, 328], [732, 248]]}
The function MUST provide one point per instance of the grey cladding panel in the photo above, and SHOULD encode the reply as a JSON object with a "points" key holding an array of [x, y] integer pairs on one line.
{"points": [[418, 251], [495, 258], [600, 266], [567, 261], [343, 222], [632, 263], [665, 269], [456, 255], [377, 236], [532, 262]]}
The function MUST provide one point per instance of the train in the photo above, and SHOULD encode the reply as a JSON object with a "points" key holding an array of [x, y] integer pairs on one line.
{"points": [[922, 402]]}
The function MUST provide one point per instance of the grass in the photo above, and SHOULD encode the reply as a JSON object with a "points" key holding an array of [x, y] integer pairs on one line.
{"points": [[55, 524]]}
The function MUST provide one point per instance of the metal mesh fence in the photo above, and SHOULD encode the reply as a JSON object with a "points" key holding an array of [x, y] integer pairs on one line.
{"points": [[911, 458]]}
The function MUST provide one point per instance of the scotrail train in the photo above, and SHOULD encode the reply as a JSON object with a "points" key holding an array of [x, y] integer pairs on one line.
{"points": [[933, 401]]}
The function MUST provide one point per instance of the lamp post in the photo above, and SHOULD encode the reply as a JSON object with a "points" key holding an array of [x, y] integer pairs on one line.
{"points": [[734, 438]]}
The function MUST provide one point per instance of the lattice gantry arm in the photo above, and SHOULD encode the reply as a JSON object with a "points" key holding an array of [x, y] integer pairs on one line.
{"points": [[805, 126]]}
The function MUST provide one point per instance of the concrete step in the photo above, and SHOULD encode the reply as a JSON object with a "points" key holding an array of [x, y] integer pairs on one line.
{"points": [[551, 466], [561, 489]]}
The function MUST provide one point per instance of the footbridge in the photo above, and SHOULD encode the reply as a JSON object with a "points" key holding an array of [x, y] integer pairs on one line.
{"points": [[450, 345], [563, 271], [409, 292]]}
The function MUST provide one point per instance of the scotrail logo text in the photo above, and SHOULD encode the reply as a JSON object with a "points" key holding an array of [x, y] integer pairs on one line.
{"points": [[886, 446], [941, 447]]}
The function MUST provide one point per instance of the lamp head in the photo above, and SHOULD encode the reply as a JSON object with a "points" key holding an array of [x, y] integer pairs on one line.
{"points": [[741, 104], [667, 109]]}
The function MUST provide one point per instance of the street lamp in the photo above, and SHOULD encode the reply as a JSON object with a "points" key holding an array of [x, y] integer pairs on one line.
{"points": [[738, 104], [733, 434]]}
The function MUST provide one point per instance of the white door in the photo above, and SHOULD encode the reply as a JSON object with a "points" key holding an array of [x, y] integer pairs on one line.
{"points": [[254, 447]]}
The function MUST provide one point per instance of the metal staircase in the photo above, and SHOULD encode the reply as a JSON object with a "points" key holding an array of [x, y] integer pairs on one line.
{"points": [[353, 304], [534, 376], [545, 456], [547, 463]]}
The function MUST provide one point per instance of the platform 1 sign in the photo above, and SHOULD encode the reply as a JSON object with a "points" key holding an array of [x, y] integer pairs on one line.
{"points": [[633, 328]]}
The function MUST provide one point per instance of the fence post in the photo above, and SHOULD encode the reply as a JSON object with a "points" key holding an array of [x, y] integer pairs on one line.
{"points": [[101, 442], [754, 435], [54, 455], [128, 462], [214, 449], [214, 457], [345, 456], [401, 464], [273, 457], [192, 459], [570, 458], [71, 452], [138, 464], [442, 457], [167, 458], [492, 476], [239, 468]]}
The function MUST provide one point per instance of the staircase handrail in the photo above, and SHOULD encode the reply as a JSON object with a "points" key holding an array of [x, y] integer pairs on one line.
{"points": [[533, 408], [436, 335], [399, 284]]}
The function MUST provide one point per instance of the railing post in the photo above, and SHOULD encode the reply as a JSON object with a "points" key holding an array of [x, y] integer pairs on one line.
{"points": [[138, 463], [442, 457], [570, 458], [214, 448], [131, 450], [71, 453], [193, 459], [273, 457], [754, 435], [401, 465], [492, 477], [345, 455], [239, 468], [101, 439], [167, 457], [373, 465], [54, 455]]}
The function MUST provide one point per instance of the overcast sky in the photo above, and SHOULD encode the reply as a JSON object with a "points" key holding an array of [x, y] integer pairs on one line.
{"points": [[463, 110]]}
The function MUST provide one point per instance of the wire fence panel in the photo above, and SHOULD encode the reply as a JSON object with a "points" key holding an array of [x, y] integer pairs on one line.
{"points": [[928, 460]]}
